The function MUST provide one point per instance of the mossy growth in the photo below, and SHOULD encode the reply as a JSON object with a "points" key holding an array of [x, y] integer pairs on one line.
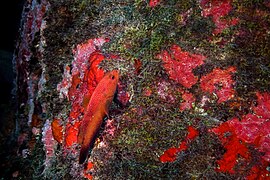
{"points": [[146, 31], [150, 125]]}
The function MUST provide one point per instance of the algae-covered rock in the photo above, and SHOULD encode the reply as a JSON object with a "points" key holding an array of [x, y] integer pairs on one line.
{"points": [[194, 75]]}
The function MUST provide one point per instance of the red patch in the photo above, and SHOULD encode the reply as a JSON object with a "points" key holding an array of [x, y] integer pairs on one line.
{"points": [[179, 65], [71, 133], [255, 128], [87, 170], [252, 129], [218, 10], [154, 3], [170, 154], [233, 146], [259, 172], [220, 82], [85, 76], [188, 100], [192, 133]]}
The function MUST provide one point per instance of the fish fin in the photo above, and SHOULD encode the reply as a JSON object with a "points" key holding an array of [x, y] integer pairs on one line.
{"points": [[83, 154], [106, 109]]}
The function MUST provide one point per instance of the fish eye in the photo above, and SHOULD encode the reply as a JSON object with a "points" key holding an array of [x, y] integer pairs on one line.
{"points": [[112, 76]]}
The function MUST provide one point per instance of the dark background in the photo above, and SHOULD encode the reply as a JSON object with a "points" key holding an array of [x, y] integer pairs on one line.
{"points": [[10, 17]]}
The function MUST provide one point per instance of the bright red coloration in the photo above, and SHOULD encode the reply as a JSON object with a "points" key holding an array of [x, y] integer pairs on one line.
{"points": [[263, 107], [233, 146], [192, 133], [259, 172], [179, 65], [81, 95], [255, 128], [86, 173], [218, 10], [220, 82], [71, 134], [96, 111], [80, 85], [188, 100], [154, 3], [252, 129], [170, 154]]}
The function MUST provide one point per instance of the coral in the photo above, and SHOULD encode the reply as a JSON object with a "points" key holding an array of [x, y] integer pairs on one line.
{"points": [[259, 172], [179, 65], [170, 77], [218, 10], [188, 99], [255, 128], [170, 154], [252, 129], [220, 82], [65, 84], [233, 146], [153, 3], [87, 171]]}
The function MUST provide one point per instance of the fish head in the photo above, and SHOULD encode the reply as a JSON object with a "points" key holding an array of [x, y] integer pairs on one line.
{"points": [[111, 78]]}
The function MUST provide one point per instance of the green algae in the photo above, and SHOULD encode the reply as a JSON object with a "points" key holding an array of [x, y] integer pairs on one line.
{"points": [[137, 31]]}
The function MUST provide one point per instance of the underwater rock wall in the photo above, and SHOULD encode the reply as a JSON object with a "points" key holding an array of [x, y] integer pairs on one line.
{"points": [[192, 100]]}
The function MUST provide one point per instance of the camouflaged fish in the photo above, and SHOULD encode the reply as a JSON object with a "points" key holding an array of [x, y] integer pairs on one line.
{"points": [[97, 110]]}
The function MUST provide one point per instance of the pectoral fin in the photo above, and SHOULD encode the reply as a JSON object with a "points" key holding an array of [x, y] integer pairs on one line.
{"points": [[106, 108]]}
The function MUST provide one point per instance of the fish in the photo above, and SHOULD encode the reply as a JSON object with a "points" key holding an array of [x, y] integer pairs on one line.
{"points": [[96, 111]]}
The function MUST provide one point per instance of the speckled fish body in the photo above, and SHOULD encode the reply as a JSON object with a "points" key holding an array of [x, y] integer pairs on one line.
{"points": [[96, 111]]}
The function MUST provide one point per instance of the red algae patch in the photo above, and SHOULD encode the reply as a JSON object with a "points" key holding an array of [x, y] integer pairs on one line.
{"points": [[179, 65], [252, 129], [170, 154], [233, 146], [219, 82], [88, 168], [154, 3], [188, 99], [255, 128], [218, 10]]}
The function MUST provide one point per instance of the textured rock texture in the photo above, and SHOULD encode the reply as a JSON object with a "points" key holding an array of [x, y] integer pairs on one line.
{"points": [[192, 101]]}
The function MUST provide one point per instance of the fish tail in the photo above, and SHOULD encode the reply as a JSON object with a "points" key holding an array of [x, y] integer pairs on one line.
{"points": [[83, 154]]}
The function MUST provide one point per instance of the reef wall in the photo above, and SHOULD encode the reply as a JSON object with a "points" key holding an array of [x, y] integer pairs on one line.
{"points": [[193, 95]]}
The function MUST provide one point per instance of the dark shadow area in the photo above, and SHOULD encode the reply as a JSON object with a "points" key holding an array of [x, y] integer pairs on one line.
{"points": [[10, 17]]}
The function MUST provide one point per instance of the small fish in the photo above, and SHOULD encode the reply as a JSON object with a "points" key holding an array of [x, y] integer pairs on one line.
{"points": [[97, 110]]}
